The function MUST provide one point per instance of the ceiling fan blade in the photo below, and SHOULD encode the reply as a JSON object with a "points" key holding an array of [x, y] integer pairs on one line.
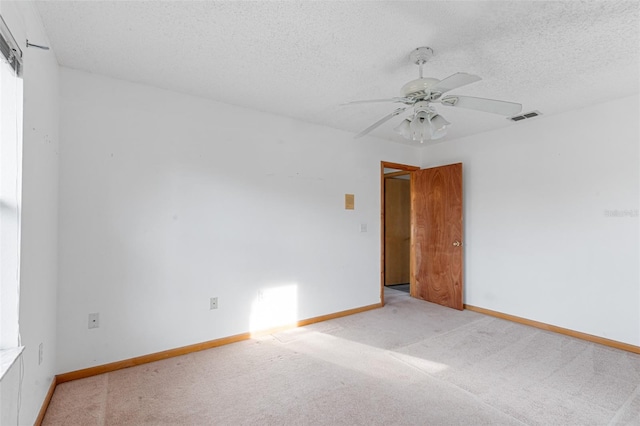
{"points": [[379, 122], [454, 81], [370, 101], [481, 104]]}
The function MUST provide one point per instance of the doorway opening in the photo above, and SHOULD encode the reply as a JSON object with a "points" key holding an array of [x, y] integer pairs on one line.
{"points": [[434, 242], [396, 226]]}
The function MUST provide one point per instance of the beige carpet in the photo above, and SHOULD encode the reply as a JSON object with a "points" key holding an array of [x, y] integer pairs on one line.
{"points": [[409, 363]]}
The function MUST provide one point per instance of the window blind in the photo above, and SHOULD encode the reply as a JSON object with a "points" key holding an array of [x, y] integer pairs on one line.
{"points": [[9, 48]]}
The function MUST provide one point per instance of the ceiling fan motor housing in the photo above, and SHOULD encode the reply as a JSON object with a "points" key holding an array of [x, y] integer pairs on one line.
{"points": [[418, 87]]}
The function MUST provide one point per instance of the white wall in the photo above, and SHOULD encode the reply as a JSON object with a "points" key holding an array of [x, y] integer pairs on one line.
{"points": [[538, 243], [167, 200], [38, 274], [9, 396]]}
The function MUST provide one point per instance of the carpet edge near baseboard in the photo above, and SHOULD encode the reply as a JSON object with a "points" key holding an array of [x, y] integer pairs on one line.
{"points": [[170, 353], [46, 402], [560, 330]]}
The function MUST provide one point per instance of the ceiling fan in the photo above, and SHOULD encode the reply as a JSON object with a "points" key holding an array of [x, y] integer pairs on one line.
{"points": [[418, 95]]}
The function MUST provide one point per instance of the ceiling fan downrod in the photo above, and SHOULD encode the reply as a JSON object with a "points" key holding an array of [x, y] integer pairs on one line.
{"points": [[420, 56]]}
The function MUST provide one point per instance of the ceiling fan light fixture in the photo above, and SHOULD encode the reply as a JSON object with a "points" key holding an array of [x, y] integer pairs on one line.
{"points": [[418, 121], [426, 124], [438, 126], [420, 127], [439, 134], [404, 128]]}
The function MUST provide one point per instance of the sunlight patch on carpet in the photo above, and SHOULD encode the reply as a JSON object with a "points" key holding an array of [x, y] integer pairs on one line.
{"points": [[360, 357]]}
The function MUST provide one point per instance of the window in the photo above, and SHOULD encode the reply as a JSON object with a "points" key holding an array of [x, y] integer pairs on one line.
{"points": [[10, 186]]}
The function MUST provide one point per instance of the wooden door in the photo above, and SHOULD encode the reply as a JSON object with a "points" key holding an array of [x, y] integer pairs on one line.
{"points": [[436, 239], [397, 230]]}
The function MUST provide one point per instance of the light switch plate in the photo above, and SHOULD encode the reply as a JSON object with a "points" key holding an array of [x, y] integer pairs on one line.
{"points": [[94, 320]]}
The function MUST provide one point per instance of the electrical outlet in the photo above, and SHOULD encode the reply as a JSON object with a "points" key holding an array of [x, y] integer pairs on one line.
{"points": [[94, 320], [40, 353], [213, 303]]}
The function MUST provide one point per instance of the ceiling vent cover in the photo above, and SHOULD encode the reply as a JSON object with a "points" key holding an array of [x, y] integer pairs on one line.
{"points": [[525, 116]]}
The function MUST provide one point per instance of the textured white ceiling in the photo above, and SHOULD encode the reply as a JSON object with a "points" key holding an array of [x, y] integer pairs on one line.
{"points": [[302, 59]]}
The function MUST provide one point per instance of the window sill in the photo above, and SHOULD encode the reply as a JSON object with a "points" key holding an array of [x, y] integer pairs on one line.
{"points": [[8, 357]]}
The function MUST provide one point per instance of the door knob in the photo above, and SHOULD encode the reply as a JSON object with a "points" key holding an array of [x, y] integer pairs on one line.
{"points": [[457, 244]]}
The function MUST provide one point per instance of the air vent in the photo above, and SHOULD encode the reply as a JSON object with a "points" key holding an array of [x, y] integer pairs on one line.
{"points": [[525, 116]]}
